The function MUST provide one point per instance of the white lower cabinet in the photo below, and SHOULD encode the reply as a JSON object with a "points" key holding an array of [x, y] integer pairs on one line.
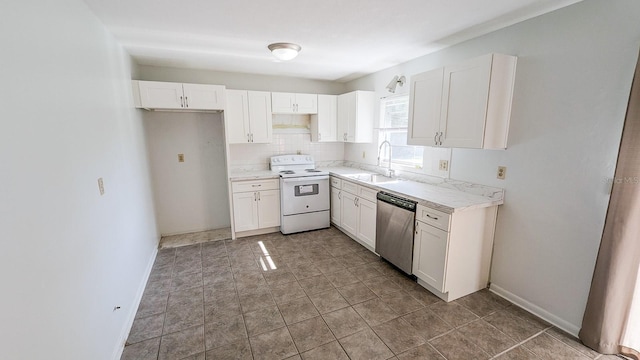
{"points": [[367, 222], [452, 252], [349, 212], [336, 200], [430, 255], [353, 210], [256, 204]]}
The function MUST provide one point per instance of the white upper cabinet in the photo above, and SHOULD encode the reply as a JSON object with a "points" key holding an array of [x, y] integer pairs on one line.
{"points": [[248, 117], [425, 105], [293, 103], [173, 96], [355, 116], [203, 97], [473, 108], [324, 124]]}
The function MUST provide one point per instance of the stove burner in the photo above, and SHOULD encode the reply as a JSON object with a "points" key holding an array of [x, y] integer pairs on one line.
{"points": [[287, 172]]}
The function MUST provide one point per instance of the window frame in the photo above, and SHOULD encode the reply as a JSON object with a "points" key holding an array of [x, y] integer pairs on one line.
{"points": [[384, 133]]}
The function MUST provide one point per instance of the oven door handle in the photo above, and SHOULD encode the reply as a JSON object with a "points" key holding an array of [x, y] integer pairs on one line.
{"points": [[305, 179]]}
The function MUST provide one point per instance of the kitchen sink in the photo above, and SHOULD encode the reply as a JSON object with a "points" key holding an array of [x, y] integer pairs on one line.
{"points": [[372, 178]]}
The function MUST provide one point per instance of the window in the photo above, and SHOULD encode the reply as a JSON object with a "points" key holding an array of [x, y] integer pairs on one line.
{"points": [[394, 119]]}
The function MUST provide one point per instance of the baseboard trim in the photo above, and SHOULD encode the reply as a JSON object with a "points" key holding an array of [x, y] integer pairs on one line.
{"points": [[117, 353], [536, 310]]}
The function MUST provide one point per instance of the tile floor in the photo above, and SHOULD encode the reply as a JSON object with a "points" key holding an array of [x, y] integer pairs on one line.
{"points": [[321, 295]]}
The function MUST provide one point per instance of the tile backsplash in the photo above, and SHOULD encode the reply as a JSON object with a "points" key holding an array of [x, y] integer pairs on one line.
{"points": [[256, 156]]}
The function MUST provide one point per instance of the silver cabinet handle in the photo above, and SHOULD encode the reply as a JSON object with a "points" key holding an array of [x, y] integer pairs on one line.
{"points": [[256, 185], [186, 101], [258, 196], [181, 101], [417, 224], [248, 138], [435, 138], [255, 196], [251, 137], [440, 138], [432, 217], [319, 136], [340, 195]]}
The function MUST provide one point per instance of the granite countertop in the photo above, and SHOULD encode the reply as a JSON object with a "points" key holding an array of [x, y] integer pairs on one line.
{"points": [[438, 197], [447, 197]]}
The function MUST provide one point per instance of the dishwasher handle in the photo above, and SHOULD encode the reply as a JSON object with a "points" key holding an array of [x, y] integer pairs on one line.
{"points": [[404, 203]]}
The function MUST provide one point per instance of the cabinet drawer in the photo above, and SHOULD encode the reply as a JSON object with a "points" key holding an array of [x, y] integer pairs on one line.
{"points": [[336, 183], [433, 217], [255, 185], [350, 187], [366, 193]]}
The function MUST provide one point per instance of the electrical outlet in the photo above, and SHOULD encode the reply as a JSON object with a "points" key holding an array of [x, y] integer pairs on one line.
{"points": [[502, 172], [180, 157], [444, 165], [101, 186]]}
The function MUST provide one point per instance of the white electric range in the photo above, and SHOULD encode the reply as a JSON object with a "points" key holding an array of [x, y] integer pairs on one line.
{"points": [[304, 193]]}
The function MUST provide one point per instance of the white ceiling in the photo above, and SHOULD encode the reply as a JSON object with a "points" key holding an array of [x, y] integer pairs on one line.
{"points": [[341, 39]]}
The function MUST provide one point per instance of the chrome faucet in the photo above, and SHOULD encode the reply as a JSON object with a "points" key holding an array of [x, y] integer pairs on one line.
{"points": [[390, 172]]}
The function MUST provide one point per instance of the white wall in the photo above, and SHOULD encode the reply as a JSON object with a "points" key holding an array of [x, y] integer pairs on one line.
{"points": [[240, 81], [191, 195], [68, 254], [574, 73]]}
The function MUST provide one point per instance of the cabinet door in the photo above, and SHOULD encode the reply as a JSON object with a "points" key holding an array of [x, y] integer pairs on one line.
{"points": [[367, 222], [245, 211], [425, 103], [268, 208], [336, 206], [260, 118], [430, 254], [203, 97], [355, 116], [342, 117], [161, 95], [347, 116], [349, 212], [464, 102], [324, 125], [306, 103], [283, 103], [362, 123], [236, 117]]}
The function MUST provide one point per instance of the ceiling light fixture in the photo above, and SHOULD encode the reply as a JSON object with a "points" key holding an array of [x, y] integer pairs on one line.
{"points": [[284, 51], [394, 83]]}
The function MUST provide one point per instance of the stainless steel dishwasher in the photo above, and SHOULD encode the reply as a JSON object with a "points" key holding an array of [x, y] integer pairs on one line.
{"points": [[394, 230]]}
